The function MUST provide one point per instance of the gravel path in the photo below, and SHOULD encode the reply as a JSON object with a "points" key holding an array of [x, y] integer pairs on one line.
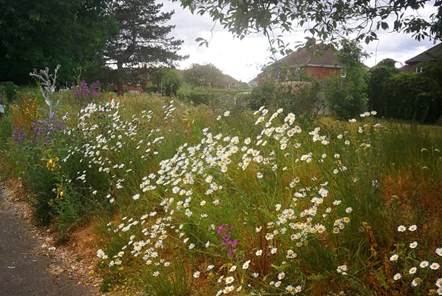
{"points": [[24, 269]]}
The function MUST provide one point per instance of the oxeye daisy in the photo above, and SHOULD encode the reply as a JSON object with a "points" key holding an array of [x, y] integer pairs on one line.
{"points": [[412, 228], [401, 228], [246, 264], [416, 282], [229, 280], [413, 245], [394, 257]]}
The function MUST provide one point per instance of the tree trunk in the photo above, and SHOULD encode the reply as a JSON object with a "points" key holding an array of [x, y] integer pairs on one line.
{"points": [[120, 80]]}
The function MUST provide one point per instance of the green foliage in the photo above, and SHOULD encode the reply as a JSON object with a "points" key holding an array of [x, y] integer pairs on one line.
{"points": [[195, 95], [9, 91], [299, 97], [347, 96], [207, 75], [411, 98], [47, 33], [331, 19], [41, 183], [165, 81], [378, 88], [142, 37], [407, 95], [218, 99], [5, 130]]}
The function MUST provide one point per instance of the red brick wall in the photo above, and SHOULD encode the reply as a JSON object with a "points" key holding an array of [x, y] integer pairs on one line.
{"points": [[320, 73]]}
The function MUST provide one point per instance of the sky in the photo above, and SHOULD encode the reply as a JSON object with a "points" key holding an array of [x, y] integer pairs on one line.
{"points": [[243, 59]]}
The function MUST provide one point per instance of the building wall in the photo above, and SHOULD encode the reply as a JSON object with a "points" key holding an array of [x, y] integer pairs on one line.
{"points": [[320, 73]]}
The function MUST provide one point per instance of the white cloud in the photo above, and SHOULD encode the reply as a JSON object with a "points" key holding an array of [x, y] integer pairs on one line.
{"points": [[243, 59]]}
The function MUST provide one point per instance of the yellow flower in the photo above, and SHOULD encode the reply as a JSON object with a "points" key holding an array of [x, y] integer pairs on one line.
{"points": [[60, 193], [52, 164]]}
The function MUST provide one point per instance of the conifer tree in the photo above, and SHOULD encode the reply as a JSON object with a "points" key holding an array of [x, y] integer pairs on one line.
{"points": [[142, 40]]}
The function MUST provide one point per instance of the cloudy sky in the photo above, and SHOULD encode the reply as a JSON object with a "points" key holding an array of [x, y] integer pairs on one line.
{"points": [[243, 59]]}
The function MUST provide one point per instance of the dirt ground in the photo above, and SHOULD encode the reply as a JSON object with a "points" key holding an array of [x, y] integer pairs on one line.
{"points": [[30, 263]]}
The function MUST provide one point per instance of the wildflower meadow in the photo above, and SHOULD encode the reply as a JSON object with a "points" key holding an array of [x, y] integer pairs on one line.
{"points": [[190, 200]]}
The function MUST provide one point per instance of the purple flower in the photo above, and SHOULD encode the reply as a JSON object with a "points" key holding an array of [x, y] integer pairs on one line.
{"points": [[85, 93], [18, 135], [226, 241]]}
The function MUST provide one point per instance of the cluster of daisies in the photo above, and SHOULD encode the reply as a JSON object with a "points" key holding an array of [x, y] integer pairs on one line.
{"points": [[194, 182], [411, 272]]}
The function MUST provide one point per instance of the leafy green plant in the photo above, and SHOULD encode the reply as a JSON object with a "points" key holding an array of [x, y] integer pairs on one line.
{"points": [[379, 90], [299, 97], [166, 81], [9, 91], [347, 95]]}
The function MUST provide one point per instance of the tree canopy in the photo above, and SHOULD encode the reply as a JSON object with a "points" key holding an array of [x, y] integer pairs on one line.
{"points": [[44, 33], [324, 19], [207, 75], [81, 36]]}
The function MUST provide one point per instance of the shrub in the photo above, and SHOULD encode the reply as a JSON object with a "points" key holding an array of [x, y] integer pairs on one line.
{"points": [[346, 98], [411, 98], [166, 81], [299, 97], [378, 89], [194, 95], [9, 91]]}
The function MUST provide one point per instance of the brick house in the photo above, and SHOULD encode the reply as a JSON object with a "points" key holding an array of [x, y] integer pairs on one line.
{"points": [[414, 64], [318, 61]]}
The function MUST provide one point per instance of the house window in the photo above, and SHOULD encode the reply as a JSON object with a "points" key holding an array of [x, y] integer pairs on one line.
{"points": [[297, 73], [343, 73], [419, 69]]}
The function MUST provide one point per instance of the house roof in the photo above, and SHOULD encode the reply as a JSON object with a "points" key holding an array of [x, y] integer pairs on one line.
{"points": [[311, 55], [317, 55], [426, 55]]}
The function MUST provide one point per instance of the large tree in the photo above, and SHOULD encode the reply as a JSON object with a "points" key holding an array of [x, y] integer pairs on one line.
{"points": [[207, 75], [143, 38], [44, 33], [323, 18]]}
